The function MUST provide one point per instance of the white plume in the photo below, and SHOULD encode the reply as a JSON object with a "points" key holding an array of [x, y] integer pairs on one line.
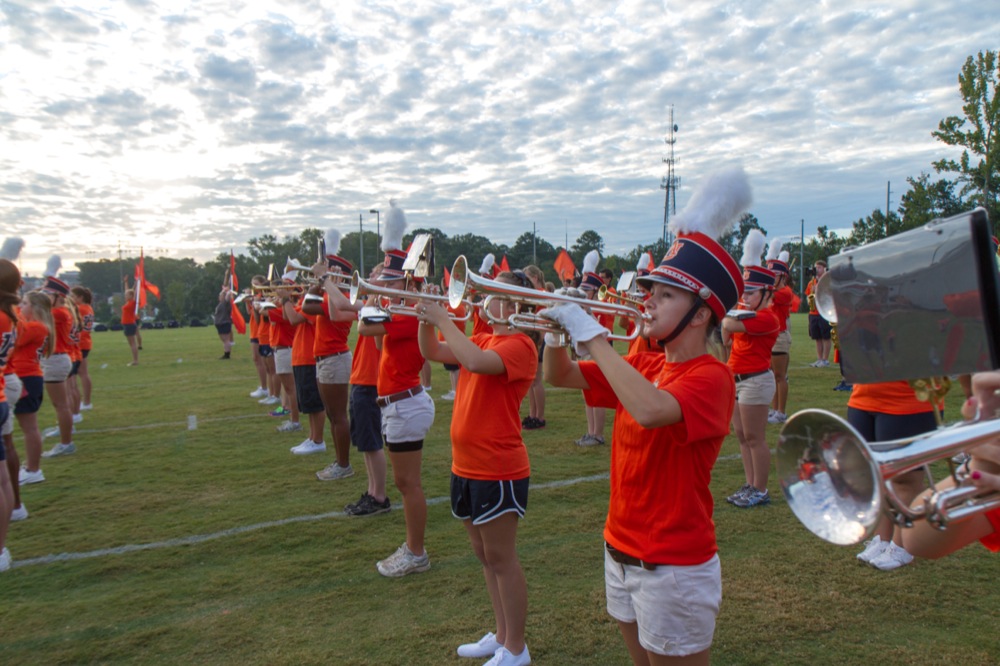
{"points": [[332, 240], [773, 249], [644, 262], [11, 249], [395, 227], [715, 205], [590, 262], [783, 256], [487, 267], [753, 247], [53, 266]]}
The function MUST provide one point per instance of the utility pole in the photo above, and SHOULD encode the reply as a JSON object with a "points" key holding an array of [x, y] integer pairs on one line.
{"points": [[802, 259], [887, 184], [670, 181], [534, 244], [361, 243]]}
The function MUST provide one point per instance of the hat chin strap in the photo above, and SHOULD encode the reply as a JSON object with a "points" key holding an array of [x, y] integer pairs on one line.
{"points": [[698, 302]]}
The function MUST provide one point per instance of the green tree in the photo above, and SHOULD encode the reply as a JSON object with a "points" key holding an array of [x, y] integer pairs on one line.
{"points": [[926, 201], [733, 241], [976, 132], [588, 240], [175, 299], [874, 227]]}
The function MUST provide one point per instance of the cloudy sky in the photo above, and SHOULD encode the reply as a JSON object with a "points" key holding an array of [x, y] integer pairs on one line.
{"points": [[189, 127]]}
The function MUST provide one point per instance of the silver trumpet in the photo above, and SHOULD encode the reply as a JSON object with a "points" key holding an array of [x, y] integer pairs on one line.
{"points": [[837, 484], [361, 288], [465, 284], [293, 265]]}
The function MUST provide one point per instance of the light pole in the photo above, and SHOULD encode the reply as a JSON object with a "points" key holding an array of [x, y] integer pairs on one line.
{"points": [[378, 227], [361, 242]]}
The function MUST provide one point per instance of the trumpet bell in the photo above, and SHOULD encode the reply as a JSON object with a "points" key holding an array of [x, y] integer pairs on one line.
{"points": [[828, 477]]}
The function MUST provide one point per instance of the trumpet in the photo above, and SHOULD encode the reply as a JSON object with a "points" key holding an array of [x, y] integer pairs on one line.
{"points": [[272, 289], [361, 288], [835, 482], [293, 265], [464, 284], [604, 294]]}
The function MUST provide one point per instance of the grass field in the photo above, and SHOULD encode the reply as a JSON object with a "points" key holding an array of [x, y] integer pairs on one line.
{"points": [[156, 544]]}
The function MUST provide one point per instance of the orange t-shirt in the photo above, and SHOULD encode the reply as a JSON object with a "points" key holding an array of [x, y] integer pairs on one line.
{"points": [[365, 363], [459, 323], [479, 324], [128, 312], [74, 337], [254, 322], [87, 320], [282, 333], [302, 343], [25, 360], [661, 505], [486, 441], [781, 303], [752, 350], [331, 336], [399, 367], [63, 321], [264, 328], [888, 398], [8, 334]]}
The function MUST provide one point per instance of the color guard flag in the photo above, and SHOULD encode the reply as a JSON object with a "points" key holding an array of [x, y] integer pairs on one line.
{"points": [[234, 284], [447, 278], [504, 266], [564, 266], [239, 323], [142, 285]]}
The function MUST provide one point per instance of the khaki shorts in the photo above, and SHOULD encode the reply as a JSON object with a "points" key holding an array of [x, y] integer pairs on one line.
{"points": [[334, 369], [56, 368], [757, 390], [408, 420], [783, 344], [12, 391], [283, 361], [674, 606]]}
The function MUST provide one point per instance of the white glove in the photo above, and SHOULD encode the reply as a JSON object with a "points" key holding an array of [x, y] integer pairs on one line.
{"points": [[556, 340], [580, 326]]}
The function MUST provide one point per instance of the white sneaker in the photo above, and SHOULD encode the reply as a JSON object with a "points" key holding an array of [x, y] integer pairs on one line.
{"points": [[5, 560], [25, 477], [261, 392], [872, 549], [334, 471], [485, 647], [450, 395], [892, 557], [60, 449], [307, 447], [19, 514], [776, 417], [503, 657], [403, 562], [269, 400], [78, 418], [54, 432], [86, 406], [824, 364], [289, 426]]}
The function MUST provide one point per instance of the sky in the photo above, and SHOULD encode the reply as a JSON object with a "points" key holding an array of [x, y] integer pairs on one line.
{"points": [[188, 128]]}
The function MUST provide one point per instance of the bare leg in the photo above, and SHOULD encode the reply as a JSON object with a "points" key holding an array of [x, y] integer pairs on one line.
{"points": [[406, 472], [335, 397]]}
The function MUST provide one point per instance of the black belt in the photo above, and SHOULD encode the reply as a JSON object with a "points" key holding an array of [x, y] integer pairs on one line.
{"points": [[748, 375], [387, 400], [320, 358], [622, 558]]}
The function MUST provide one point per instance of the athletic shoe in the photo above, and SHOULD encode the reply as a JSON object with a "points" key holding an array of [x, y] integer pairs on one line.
{"points": [[280, 411], [531, 423], [261, 392], [891, 557], [597, 440], [824, 364], [25, 477], [816, 364], [744, 489], [269, 400], [289, 426], [4, 560], [587, 440], [54, 431], [334, 471], [873, 549], [349, 509], [486, 646], [504, 657], [450, 395], [78, 418], [224, 357], [19, 514], [776, 417], [307, 447], [131, 363], [368, 506], [843, 386], [86, 406], [403, 562], [752, 498], [60, 449]]}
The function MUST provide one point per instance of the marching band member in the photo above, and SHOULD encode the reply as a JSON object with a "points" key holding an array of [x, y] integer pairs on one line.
{"points": [[782, 304], [223, 320], [490, 469], [640, 343], [407, 410], [536, 394], [36, 338], [307, 398], [751, 340], [460, 321], [83, 299], [10, 283], [819, 328], [662, 575], [253, 314], [129, 324], [282, 335], [76, 356], [589, 284], [266, 351], [57, 366], [486, 270]]}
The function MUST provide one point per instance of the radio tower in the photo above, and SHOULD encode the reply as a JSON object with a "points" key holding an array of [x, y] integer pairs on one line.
{"points": [[670, 181]]}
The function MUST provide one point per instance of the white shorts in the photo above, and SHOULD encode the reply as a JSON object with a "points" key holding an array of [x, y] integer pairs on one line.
{"points": [[283, 361], [757, 390], [674, 606], [783, 344], [12, 391], [56, 368], [334, 369], [408, 420]]}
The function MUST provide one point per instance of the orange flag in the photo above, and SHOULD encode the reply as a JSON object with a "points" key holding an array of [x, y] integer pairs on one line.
{"points": [[234, 284], [239, 323], [447, 278], [142, 284], [564, 266], [504, 266]]}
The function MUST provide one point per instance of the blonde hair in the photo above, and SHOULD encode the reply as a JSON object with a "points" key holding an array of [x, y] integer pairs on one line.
{"points": [[41, 311]]}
